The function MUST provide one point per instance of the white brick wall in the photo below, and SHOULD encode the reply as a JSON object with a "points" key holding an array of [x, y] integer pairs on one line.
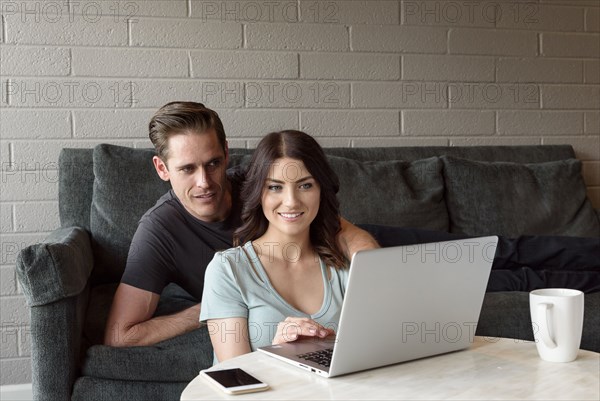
{"points": [[352, 72], [492, 42], [235, 64]]}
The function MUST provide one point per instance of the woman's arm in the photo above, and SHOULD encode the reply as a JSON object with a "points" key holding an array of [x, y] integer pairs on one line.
{"points": [[229, 337], [352, 239]]}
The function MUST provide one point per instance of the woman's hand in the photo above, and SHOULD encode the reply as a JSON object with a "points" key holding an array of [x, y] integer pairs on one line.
{"points": [[293, 328]]}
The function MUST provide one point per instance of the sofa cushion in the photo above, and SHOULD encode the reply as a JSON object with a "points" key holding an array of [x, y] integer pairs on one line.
{"points": [[400, 193], [189, 353], [511, 199], [125, 186], [94, 389]]}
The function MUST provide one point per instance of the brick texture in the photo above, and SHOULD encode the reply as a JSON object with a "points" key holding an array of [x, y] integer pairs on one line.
{"points": [[540, 17], [592, 123], [235, 64], [592, 72], [41, 29], [35, 124], [540, 123], [297, 37], [360, 67], [180, 33], [492, 42], [570, 97], [255, 123], [39, 216], [350, 12], [402, 95], [447, 123], [539, 70], [6, 218], [129, 63], [40, 61], [245, 11], [102, 124], [570, 45], [389, 38], [448, 68], [350, 123]]}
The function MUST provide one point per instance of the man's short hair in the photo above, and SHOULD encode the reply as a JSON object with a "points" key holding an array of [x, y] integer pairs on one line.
{"points": [[181, 118]]}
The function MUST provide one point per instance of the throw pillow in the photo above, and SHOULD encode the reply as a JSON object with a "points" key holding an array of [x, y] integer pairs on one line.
{"points": [[125, 187], [512, 199], [397, 193]]}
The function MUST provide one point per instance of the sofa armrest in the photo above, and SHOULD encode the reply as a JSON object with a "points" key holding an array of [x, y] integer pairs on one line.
{"points": [[57, 268], [54, 277]]}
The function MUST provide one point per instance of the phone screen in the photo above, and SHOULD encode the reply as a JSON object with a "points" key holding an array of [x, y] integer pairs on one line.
{"points": [[233, 377]]}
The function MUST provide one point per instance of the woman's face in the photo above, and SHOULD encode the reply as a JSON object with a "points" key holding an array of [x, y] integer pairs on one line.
{"points": [[290, 198]]}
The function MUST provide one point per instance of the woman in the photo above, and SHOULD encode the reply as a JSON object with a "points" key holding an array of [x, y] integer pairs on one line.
{"points": [[287, 276]]}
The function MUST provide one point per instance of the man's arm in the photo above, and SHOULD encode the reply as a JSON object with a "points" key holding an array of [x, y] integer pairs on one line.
{"points": [[130, 322], [352, 239]]}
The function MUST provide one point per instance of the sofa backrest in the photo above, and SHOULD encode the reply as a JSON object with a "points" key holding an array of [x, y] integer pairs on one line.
{"points": [[107, 189], [76, 175]]}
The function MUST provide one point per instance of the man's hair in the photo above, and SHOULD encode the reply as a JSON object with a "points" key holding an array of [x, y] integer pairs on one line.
{"points": [[299, 146], [181, 118]]}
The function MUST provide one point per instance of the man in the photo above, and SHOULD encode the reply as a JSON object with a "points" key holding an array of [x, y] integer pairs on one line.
{"points": [[177, 238]]}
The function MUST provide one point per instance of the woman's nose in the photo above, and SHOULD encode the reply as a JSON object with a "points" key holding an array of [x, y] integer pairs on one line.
{"points": [[290, 197]]}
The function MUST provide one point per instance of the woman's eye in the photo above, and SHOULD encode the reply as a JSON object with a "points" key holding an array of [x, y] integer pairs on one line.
{"points": [[308, 185], [274, 187]]}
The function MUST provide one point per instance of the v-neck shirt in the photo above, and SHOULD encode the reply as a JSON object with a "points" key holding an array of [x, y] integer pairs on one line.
{"points": [[236, 284]]}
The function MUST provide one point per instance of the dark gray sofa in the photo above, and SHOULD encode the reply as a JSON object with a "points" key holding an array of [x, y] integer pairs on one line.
{"points": [[69, 280]]}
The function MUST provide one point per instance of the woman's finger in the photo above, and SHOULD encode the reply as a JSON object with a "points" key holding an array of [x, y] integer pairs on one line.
{"points": [[292, 328]]}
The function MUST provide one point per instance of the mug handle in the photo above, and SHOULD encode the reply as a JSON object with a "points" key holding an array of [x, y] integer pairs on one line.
{"points": [[543, 311]]}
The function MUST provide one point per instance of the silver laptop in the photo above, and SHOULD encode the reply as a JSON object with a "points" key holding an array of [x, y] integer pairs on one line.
{"points": [[401, 303]]}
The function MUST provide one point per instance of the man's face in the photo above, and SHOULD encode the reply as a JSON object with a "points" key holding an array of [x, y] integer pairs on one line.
{"points": [[196, 166]]}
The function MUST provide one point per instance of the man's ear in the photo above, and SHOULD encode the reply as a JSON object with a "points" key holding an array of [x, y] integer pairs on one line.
{"points": [[161, 168], [226, 153]]}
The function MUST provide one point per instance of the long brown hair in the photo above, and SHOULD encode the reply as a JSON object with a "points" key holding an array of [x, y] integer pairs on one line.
{"points": [[300, 146]]}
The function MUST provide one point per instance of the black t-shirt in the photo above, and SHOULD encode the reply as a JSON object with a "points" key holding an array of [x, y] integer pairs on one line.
{"points": [[172, 246]]}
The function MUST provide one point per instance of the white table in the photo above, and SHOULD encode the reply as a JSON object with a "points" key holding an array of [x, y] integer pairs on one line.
{"points": [[492, 368]]}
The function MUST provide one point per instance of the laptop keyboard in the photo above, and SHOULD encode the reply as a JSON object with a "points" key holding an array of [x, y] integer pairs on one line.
{"points": [[322, 357]]}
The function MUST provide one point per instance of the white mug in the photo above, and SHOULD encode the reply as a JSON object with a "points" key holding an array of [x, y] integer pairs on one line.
{"points": [[557, 319]]}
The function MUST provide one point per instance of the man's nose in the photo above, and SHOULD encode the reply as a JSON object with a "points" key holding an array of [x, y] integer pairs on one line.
{"points": [[202, 179]]}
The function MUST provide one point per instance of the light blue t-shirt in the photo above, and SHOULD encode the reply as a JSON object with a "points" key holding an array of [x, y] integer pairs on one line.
{"points": [[236, 285]]}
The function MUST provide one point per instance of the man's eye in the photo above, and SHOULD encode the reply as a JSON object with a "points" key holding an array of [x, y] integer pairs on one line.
{"points": [[186, 170], [213, 166]]}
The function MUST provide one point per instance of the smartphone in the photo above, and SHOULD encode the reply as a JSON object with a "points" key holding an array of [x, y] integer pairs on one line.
{"points": [[234, 381]]}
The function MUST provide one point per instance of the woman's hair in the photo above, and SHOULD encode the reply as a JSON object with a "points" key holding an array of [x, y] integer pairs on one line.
{"points": [[179, 118], [299, 146]]}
